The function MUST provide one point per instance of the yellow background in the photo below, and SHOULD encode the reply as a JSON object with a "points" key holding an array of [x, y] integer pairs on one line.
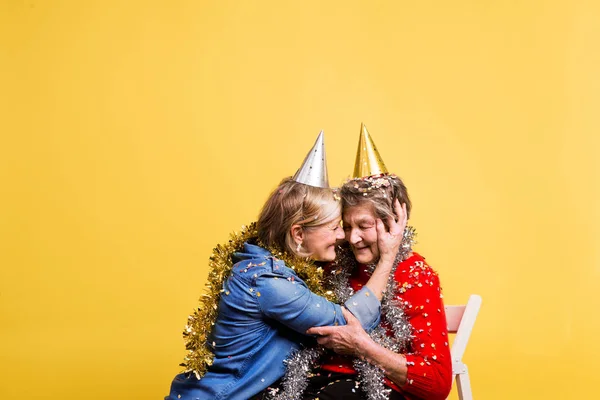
{"points": [[135, 135]]}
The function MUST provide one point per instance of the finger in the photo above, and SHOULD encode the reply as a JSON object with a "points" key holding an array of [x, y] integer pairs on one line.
{"points": [[321, 330], [398, 210], [402, 214], [391, 223], [380, 227], [323, 340], [397, 225], [313, 331]]}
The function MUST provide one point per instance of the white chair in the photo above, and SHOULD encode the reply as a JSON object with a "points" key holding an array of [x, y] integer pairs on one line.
{"points": [[460, 321]]}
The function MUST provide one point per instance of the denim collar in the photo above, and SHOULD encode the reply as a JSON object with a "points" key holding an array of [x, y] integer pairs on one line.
{"points": [[250, 251]]}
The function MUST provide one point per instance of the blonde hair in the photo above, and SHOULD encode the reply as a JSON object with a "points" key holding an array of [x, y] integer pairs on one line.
{"points": [[294, 203]]}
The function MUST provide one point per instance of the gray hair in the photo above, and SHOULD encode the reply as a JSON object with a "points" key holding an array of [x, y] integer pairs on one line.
{"points": [[380, 191]]}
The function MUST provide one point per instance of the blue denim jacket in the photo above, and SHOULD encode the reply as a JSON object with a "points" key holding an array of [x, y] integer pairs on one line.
{"points": [[264, 312]]}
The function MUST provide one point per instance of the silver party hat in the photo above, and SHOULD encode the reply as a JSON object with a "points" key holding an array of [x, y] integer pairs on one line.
{"points": [[313, 171]]}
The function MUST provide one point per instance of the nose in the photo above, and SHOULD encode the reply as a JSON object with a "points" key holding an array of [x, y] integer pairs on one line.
{"points": [[353, 237], [339, 234]]}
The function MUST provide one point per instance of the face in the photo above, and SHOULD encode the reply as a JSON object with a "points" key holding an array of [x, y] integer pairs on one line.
{"points": [[361, 232], [320, 240]]}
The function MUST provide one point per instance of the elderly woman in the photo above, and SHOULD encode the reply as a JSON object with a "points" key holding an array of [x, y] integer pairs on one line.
{"points": [[265, 303], [409, 357]]}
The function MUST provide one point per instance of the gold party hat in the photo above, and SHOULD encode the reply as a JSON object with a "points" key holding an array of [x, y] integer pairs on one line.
{"points": [[313, 171], [368, 161]]}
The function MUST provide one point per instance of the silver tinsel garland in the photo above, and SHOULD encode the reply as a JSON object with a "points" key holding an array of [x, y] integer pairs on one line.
{"points": [[371, 377], [299, 366]]}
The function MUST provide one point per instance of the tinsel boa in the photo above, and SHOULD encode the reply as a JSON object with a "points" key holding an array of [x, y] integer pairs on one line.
{"points": [[300, 364], [199, 354]]}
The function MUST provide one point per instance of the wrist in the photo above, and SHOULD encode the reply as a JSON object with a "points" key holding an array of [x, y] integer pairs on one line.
{"points": [[386, 258], [363, 346]]}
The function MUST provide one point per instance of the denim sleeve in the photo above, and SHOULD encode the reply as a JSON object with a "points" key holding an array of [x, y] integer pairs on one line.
{"points": [[294, 305]]}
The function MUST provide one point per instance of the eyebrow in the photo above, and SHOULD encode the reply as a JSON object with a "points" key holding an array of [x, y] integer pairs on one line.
{"points": [[366, 220]]}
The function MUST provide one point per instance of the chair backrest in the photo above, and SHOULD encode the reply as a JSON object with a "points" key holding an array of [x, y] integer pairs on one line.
{"points": [[460, 321]]}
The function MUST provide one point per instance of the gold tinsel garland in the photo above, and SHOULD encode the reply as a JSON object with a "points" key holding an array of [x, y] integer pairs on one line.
{"points": [[201, 322]]}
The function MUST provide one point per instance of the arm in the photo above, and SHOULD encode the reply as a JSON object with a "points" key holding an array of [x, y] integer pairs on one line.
{"points": [[291, 303], [353, 340], [388, 243], [426, 371], [429, 363], [288, 300]]}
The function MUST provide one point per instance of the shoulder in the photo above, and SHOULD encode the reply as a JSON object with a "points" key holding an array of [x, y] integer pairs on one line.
{"points": [[415, 272], [418, 288], [264, 266]]}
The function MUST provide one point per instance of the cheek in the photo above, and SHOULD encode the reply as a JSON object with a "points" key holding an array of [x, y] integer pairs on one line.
{"points": [[332, 238], [371, 237], [325, 246], [326, 239]]}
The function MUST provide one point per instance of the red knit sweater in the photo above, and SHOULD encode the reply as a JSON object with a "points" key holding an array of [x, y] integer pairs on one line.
{"points": [[429, 363]]}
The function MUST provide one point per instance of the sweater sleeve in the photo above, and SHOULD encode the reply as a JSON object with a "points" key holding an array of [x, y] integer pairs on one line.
{"points": [[429, 362]]}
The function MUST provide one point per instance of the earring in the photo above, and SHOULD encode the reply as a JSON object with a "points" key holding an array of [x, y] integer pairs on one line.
{"points": [[298, 247]]}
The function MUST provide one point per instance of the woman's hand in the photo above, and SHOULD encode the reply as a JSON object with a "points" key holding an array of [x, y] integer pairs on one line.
{"points": [[351, 339], [348, 339], [388, 241]]}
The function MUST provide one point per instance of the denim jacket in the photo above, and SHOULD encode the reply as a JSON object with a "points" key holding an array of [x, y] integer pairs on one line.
{"points": [[264, 312]]}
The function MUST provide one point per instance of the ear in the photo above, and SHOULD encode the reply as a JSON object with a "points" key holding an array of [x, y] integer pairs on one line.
{"points": [[297, 233]]}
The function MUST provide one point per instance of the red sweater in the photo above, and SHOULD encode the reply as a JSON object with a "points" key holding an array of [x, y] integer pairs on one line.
{"points": [[429, 363]]}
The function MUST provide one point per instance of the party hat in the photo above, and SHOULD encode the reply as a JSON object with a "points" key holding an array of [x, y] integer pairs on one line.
{"points": [[313, 171], [368, 161]]}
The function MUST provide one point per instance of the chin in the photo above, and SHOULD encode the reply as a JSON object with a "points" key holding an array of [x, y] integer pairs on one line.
{"points": [[364, 259], [327, 257]]}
